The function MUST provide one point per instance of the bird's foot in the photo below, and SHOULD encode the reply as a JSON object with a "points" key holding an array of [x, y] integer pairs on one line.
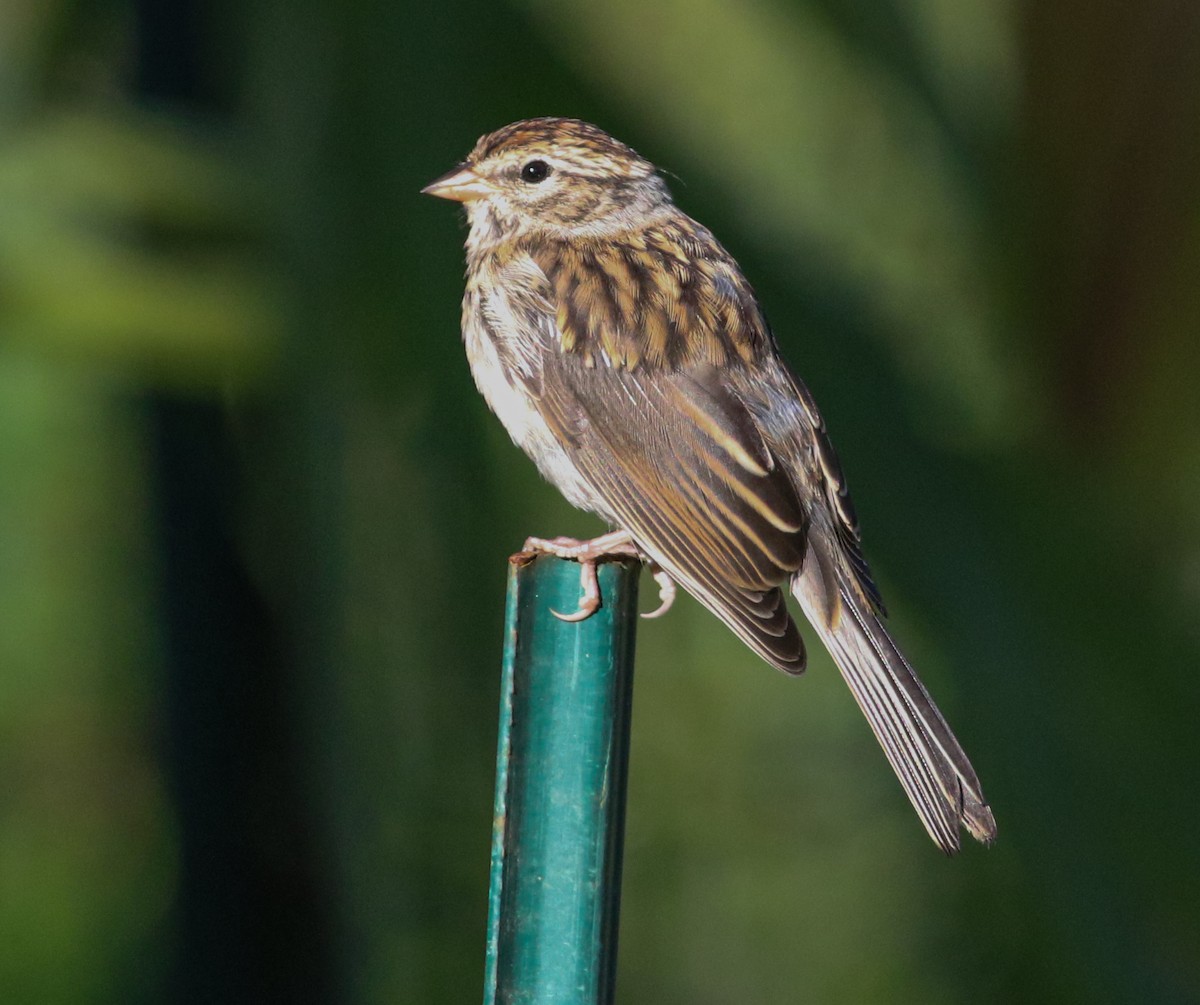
{"points": [[666, 591], [618, 544]]}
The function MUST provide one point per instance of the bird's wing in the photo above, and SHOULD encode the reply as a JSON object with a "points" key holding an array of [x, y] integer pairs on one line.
{"points": [[673, 452], [674, 461], [710, 463]]}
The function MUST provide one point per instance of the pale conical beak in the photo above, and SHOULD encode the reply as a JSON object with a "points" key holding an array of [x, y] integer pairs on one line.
{"points": [[461, 184]]}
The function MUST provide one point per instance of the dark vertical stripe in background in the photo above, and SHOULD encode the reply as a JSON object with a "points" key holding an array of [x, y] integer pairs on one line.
{"points": [[249, 921]]}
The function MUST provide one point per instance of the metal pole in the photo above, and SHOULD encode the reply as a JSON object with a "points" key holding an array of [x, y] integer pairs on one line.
{"points": [[560, 787]]}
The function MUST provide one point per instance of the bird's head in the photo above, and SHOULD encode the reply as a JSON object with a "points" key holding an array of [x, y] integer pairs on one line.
{"points": [[561, 176]]}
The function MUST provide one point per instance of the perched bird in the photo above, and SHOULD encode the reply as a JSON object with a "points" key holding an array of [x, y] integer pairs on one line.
{"points": [[626, 354]]}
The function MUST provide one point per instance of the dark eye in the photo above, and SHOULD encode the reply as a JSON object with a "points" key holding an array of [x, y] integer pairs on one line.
{"points": [[535, 171]]}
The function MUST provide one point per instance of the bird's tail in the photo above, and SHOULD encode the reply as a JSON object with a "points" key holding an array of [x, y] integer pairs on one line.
{"points": [[922, 750]]}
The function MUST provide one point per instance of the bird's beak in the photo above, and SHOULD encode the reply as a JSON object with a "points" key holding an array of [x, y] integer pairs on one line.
{"points": [[461, 184]]}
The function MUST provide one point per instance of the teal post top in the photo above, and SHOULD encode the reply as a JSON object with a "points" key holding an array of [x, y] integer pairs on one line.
{"points": [[561, 768]]}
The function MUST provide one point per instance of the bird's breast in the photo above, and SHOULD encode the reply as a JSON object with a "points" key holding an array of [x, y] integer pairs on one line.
{"points": [[507, 393]]}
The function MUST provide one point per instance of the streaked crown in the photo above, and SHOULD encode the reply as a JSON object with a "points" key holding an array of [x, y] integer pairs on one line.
{"points": [[586, 149]]}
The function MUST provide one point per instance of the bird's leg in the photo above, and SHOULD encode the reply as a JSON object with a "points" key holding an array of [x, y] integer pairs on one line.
{"points": [[617, 544], [587, 554]]}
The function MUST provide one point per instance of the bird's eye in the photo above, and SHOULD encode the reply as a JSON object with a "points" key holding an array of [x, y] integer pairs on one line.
{"points": [[535, 171]]}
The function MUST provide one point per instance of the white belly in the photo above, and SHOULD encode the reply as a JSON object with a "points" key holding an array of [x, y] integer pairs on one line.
{"points": [[524, 423]]}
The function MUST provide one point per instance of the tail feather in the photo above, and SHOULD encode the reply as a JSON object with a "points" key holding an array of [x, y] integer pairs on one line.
{"points": [[932, 767]]}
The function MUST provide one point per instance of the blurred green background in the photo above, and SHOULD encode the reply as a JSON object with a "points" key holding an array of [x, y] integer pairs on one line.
{"points": [[254, 517]]}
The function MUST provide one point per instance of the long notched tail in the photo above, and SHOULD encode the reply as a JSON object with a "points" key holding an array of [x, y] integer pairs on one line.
{"points": [[922, 750]]}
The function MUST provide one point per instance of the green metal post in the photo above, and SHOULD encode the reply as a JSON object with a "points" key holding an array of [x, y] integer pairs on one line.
{"points": [[560, 787]]}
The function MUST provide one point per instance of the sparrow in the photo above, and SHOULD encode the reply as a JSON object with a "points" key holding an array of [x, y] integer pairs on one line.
{"points": [[624, 351]]}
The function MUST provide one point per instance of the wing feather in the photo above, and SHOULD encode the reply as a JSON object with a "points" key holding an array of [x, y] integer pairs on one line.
{"points": [[728, 532]]}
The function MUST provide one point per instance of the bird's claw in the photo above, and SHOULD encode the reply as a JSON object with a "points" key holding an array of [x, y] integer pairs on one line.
{"points": [[666, 592], [588, 553], [589, 603]]}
